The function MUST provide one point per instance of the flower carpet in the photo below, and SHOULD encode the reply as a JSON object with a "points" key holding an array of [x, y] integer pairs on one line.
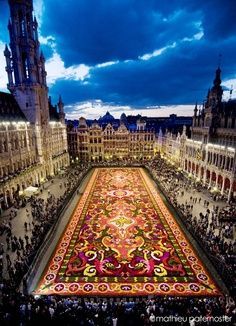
{"points": [[123, 240]]}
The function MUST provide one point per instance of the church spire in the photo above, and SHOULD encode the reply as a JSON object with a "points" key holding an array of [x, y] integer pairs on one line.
{"points": [[195, 110], [214, 95], [60, 105], [7, 55], [217, 91], [195, 115], [24, 44], [217, 80]]}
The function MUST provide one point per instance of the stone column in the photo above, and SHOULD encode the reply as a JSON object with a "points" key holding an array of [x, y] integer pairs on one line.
{"points": [[204, 177], [217, 159], [222, 162], [217, 180], [210, 178], [223, 186], [226, 160], [230, 190], [191, 167], [199, 171]]}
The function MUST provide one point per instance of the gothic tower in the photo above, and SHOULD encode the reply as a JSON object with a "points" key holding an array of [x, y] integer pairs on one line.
{"points": [[60, 105], [25, 66], [195, 116], [213, 104]]}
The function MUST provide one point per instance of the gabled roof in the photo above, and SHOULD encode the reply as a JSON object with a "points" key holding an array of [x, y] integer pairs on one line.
{"points": [[9, 108]]}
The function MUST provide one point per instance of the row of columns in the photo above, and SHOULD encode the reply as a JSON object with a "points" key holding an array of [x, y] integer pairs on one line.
{"points": [[32, 178], [221, 161], [192, 168]]}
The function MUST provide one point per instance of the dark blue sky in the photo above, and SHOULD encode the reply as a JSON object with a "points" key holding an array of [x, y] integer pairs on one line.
{"points": [[133, 53]]}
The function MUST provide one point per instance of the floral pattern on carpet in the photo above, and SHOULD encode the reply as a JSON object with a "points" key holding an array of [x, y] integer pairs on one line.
{"points": [[123, 240]]}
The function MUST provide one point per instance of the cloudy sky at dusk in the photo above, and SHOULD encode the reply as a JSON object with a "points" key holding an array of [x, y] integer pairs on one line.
{"points": [[135, 56]]}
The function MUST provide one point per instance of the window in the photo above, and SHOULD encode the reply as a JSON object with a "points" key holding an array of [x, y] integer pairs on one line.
{"points": [[25, 66]]}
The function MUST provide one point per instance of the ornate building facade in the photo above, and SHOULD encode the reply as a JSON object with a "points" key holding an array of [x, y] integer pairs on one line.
{"points": [[209, 156], [33, 141], [105, 142]]}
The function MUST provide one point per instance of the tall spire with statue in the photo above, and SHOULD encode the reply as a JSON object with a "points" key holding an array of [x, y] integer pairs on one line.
{"points": [[25, 65]]}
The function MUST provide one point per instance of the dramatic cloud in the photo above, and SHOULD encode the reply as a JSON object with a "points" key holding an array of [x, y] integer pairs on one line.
{"points": [[96, 108], [131, 54]]}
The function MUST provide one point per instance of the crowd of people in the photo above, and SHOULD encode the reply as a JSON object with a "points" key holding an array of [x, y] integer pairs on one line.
{"points": [[66, 311], [17, 254], [228, 213], [209, 228]]}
